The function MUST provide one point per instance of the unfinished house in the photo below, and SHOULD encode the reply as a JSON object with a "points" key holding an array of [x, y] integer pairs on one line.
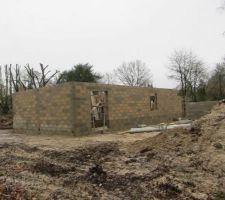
{"points": [[82, 108]]}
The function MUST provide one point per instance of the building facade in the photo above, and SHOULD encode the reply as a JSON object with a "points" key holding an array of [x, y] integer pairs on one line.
{"points": [[81, 108]]}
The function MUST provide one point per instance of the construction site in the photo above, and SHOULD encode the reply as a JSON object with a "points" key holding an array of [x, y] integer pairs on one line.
{"points": [[80, 109], [112, 100], [154, 155]]}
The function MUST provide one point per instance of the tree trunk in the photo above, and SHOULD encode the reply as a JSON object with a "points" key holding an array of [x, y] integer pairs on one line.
{"points": [[220, 87]]}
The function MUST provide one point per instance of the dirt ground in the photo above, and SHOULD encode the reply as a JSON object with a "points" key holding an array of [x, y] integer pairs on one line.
{"points": [[174, 164]]}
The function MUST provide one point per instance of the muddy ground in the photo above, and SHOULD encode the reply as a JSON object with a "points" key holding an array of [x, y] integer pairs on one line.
{"points": [[175, 164]]}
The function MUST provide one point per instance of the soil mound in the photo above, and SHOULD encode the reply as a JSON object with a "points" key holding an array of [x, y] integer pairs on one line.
{"points": [[176, 164], [195, 157]]}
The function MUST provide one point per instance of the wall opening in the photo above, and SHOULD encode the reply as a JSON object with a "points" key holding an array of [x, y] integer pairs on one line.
{"points": [[153, 102], [99, 109]]}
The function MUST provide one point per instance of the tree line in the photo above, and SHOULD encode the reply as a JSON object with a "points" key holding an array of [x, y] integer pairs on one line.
{"points": [[195, 83], [15, 78]]}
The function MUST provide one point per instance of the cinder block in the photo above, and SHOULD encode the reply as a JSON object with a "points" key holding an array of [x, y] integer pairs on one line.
{"points": [[67, 107]]}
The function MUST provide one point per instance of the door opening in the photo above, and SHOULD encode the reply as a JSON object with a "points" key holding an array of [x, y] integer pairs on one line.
{"points": [[99, 110]]}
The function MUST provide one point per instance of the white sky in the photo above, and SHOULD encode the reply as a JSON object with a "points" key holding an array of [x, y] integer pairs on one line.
{"points": [[105, 33]]}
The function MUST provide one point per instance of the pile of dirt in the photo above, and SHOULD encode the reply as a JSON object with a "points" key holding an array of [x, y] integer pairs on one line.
{"points": [[195, 158], [45, 167], [176, 164], [10, 190], [86, 154]]}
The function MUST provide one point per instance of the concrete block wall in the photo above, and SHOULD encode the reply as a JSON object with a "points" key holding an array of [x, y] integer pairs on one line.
{"points": [[66, 108], [198, 109], [24, 107], [54, 108], [46, 109], [130, 106], [81, 109]]}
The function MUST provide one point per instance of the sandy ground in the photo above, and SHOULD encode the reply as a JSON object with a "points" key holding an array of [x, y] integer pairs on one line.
{"points": [[6, 136], [59, 142], [174, 164]]}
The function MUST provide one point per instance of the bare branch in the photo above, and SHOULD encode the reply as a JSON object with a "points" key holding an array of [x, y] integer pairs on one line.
{"points": [[134, 74]]}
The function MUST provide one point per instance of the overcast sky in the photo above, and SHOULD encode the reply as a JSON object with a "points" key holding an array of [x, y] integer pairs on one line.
{"points": [[105, 33]]}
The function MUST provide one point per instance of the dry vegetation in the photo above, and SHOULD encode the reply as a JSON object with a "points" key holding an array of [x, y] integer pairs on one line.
{"points": [[176, 164]]}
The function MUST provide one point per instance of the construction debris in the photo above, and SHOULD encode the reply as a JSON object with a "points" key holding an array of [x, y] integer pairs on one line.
{"points": [[183, 121], [162, 127]]}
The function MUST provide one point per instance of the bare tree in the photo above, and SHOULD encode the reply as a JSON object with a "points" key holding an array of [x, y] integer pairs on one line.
{"points": [[197, 76], [134, 74], [36, 79], [186, 69], [46, 77], [10, 84], [16, 78], [1, 83], [6, 86], [32, 77], [216, 83], [109, 78]]}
